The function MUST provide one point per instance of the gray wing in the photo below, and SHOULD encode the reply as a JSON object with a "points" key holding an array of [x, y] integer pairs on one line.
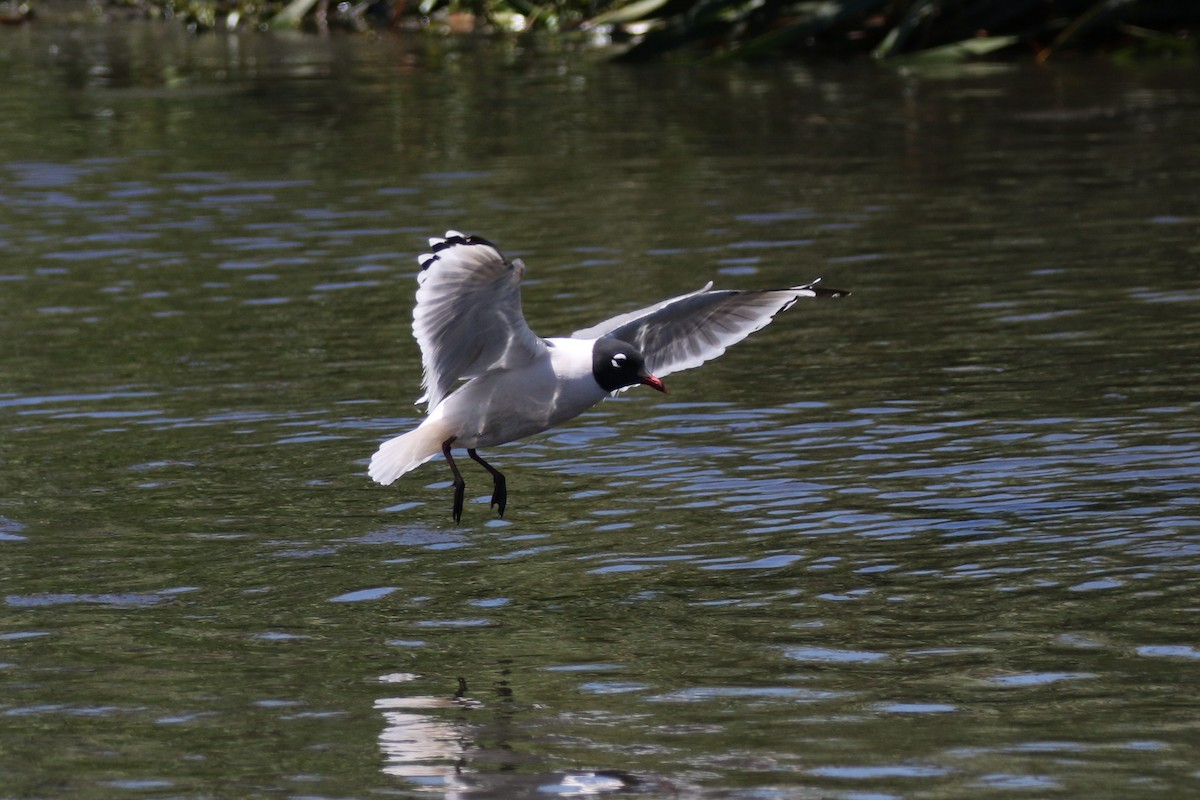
{"points": [[685, 331], [468, 316]]}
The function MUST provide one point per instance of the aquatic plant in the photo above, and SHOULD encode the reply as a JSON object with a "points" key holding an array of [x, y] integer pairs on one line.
{"points": [[921, 30]]}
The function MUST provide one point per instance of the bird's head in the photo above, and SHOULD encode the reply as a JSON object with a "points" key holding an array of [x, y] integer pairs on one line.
{"points": [[618, 365]]}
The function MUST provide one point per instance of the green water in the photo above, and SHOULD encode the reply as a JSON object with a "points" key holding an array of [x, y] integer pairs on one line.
{"points": [[939, 539]]}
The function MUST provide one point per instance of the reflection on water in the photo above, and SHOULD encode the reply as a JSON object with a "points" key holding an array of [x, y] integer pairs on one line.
{"points": [[418, 747], [435, 755], [938, 539]]}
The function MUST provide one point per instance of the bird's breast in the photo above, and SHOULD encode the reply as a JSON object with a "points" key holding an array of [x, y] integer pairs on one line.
{"points": [[505, 405]]}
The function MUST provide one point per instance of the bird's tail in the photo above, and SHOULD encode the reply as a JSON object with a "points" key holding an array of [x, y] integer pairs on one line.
{"points": [[404, 453]]}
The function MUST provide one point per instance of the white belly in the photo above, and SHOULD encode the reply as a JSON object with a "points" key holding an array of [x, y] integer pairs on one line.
{"points": [[506, 405]]}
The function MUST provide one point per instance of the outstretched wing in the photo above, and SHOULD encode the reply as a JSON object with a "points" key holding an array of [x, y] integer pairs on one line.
{"points": [[468, 316], [685, 331]]}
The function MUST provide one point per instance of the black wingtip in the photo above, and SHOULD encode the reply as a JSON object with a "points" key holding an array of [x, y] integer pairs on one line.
{"points": [[453, 239], [821, 291], [456, 239]]}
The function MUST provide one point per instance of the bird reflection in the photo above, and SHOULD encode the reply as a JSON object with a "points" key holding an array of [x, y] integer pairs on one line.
{"points": [[420, 746]]}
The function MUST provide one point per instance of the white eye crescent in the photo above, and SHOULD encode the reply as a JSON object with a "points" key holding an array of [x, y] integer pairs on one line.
{"points": [[619, 360]]}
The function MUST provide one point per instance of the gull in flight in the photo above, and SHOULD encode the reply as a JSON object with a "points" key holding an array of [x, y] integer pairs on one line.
{"points": [[514, 383]]}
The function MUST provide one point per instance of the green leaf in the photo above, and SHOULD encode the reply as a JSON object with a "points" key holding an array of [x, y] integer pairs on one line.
{"points": [[292, 14], [630, 12], [898, 36], [821, 18], [956, 51]]}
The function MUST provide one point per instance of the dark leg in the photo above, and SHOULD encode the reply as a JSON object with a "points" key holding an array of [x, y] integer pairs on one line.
{"points": [[499, 484], [460, 485]]}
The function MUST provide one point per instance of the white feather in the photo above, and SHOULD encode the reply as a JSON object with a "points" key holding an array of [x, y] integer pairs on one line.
{"points": [[405, 453]]}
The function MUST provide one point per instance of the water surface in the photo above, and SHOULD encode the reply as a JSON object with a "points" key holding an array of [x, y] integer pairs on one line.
{"points": [[939, 539]]}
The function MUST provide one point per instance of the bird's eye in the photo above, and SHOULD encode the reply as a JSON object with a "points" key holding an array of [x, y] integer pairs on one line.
{"points": [[619, 360]]}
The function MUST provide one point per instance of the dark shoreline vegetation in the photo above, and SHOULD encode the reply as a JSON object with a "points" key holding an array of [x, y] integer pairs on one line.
{"points": [[915, 30]]}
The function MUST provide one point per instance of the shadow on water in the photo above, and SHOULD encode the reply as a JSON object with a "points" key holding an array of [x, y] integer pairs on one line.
{"points": [[937, 539]]}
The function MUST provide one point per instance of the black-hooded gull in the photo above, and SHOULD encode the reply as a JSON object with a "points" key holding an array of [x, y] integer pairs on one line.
{"points": [[469, 325]]}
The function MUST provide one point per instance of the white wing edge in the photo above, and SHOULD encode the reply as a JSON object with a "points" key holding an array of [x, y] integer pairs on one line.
{"points": [[609, 325], [685, 349]]}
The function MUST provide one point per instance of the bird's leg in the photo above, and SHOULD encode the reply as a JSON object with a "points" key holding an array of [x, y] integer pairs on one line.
{"points": [[499, 484], [460, 486]]}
